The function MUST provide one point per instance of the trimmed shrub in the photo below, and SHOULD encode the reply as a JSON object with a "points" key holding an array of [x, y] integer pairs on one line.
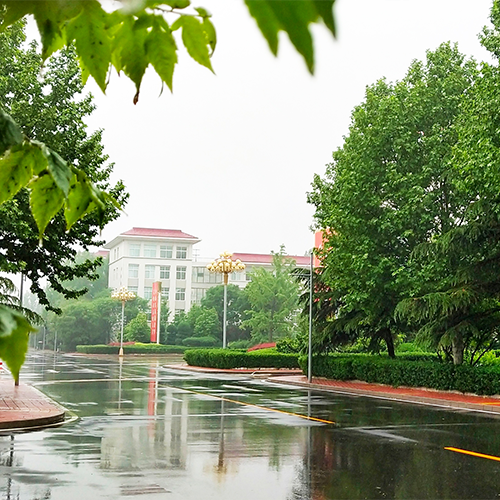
{"points": [[132, 349], [226, 359], [201, 342], [240, 344], [404, 372], [289, 346]]}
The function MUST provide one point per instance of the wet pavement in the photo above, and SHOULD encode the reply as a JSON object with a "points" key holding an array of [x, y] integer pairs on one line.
{"points": [[141, 429]]}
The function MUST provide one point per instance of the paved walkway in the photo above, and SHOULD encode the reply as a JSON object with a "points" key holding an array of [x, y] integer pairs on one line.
{"points": [[443, 399], [25, 407]]}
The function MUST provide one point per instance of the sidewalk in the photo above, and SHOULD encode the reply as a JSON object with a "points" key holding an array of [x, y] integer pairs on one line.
{"points": [[443, 399], [25, 407]]}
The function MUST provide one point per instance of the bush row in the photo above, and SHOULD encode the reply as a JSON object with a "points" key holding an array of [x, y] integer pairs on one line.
{"points": [[226, 358], [402, 372], [132, 349]]}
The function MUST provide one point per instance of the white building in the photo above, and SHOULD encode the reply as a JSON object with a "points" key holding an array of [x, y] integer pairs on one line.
{"points": [[141, 256]]}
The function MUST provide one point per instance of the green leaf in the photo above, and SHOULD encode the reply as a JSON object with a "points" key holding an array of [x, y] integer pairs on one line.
{"points": [[47, 15], [14, 336], [10, 133], [79, 199], [46, 199], [89, 31], [210, 33], [294, 17], [16, 170], [194, 39], [162, 52], [133, 55], [15, 10], [325, 10], [266, 21], [203, 12], [58, 169]]}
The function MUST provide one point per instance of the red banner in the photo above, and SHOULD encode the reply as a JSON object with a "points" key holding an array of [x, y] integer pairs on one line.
{"points": [[154, 310]]}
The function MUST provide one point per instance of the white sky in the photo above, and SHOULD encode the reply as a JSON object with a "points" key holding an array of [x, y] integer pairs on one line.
{"points": [[229, 158]]}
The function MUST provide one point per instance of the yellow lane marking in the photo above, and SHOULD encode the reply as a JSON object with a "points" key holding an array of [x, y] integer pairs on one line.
{"points": [[260, 407], [491, 404], [473, 453]]}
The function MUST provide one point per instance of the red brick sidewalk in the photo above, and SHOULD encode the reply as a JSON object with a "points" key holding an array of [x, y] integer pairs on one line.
{"points": [[26, 407], [445, 399]]}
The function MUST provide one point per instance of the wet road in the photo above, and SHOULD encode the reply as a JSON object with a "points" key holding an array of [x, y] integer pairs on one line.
{"points": [[142, 430]]}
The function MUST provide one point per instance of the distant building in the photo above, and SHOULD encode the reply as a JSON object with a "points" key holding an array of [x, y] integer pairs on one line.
{"points": [[141, 256]]}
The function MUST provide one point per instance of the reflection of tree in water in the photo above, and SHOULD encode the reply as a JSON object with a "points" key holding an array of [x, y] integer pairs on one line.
{"points": [[9, 459]]}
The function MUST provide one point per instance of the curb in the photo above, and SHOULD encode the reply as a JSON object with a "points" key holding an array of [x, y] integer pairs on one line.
{"points": [[25, 407]]}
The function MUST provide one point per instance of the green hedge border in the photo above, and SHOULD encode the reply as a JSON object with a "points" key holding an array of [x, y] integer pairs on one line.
{"points": [[226, 359], [132, 349], [483, 380]]}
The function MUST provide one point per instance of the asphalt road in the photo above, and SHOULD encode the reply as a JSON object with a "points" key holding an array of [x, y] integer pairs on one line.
{"points": [[140, 429]]}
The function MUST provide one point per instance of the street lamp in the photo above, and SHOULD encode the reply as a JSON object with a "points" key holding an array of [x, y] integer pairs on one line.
{"points": [[225, 266], [124, 295]]}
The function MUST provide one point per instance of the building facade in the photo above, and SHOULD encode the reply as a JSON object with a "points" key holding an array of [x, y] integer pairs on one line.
{"points": [[141, 256]]}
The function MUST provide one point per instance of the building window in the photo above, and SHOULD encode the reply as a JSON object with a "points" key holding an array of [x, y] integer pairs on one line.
{"points": [[134, 289], [164, 272], [165, 293], [150, 272], [133, 270], [150, 251], [180, 294], [181, 273], [148, 292], [238, 276], [203, 275], [197, 294], [134, 249], [181, 253], [166, 251]]}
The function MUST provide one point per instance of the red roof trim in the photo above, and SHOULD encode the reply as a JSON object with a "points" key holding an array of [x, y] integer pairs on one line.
{"points": [[162, 233]]}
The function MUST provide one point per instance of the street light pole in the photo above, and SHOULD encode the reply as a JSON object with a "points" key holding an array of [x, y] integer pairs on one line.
{"points": [[123, 295], [225, 266], [121, 329]]}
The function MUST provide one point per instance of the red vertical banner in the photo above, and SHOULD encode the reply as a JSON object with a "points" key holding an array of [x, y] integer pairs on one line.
{"points": [[154, 310]]}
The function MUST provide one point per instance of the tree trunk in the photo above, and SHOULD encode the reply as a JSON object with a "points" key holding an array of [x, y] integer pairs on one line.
{"points": [[387, 335], [457, 348]]}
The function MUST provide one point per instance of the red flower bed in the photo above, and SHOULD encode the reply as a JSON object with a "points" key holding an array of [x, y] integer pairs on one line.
{"points": [[266, 345], [117, 344]]}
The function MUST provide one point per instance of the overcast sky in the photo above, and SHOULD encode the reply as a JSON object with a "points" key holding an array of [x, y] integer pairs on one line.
{"points": [[229, 157]]}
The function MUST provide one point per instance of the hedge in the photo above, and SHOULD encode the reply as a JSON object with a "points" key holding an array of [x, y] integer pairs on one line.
{"points": [[484, 380], [226, 358], [201, 342], [132, 349]]}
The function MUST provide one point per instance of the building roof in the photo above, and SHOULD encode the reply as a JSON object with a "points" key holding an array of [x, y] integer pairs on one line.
{"points": [[262, 258], [161, 233], [101, 253]]}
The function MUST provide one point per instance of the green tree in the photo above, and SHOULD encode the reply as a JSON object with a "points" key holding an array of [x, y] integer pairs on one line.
{"points": [[461, 312], [49, 107], [273, 297], [179, 329], [237, 305], [85, 322], [138, 330], [129, 39], [388, 190], [207, 324]]}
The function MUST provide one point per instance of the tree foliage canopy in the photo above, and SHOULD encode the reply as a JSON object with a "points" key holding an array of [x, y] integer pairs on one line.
{"points": [[389, 189], [129, 39]]}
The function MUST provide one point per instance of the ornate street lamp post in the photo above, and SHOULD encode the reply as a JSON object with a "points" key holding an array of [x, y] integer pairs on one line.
{"points": [[124, 295], [225, 266]]}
